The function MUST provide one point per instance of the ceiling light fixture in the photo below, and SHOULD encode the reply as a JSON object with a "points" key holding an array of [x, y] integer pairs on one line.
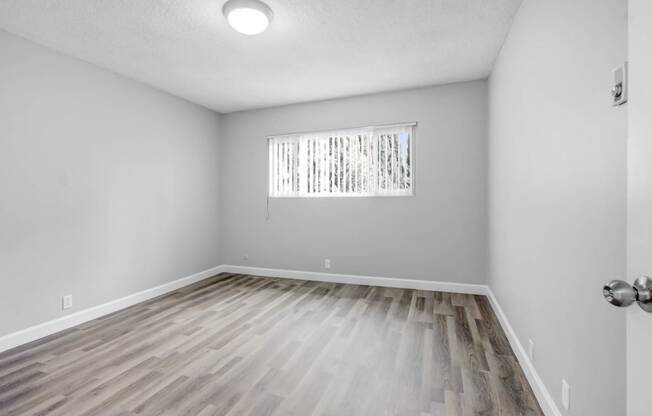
{"points": [[250, 17]]}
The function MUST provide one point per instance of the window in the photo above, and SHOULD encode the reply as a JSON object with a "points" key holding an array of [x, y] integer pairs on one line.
{"points": [[370, 161]]}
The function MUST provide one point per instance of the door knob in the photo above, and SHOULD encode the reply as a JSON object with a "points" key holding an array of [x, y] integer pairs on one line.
{"points": [[622, 294]]}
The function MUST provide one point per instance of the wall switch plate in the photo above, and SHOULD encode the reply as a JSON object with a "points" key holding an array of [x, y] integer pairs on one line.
{"points": [[565, 394], [327, 263], [530, 350], [619, 89], [66, 302]]}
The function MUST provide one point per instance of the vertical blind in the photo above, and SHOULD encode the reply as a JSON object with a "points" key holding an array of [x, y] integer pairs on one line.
{"points": [[370, 161]]}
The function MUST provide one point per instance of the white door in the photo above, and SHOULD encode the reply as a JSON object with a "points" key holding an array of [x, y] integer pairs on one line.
{"points": [[639, 195]]}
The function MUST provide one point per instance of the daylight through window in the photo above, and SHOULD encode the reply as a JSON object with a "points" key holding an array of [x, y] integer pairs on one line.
{"points": [[370, 161]]}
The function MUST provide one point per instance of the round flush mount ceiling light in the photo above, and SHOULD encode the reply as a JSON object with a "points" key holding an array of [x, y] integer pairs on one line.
{"points": [[250, 17]]}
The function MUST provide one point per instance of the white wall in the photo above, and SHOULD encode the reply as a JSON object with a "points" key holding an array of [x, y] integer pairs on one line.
{"points": [[107, 187], [437, 235], [639, 216], [557, 167]]}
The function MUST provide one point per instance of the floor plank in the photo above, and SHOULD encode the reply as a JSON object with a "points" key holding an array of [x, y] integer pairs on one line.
{"points": [[246, 345]]}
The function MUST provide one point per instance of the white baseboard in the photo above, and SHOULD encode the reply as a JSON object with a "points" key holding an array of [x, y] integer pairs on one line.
{"points": [[48, 328], [360, 280], [51, 327], [541, 392]]}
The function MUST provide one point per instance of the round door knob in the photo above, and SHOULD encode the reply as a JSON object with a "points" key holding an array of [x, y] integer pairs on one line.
{"points": [[619, 293]]}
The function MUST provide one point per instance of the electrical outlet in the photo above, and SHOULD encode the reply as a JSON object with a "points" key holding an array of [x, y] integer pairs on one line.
{"points": [[565, 394], [66, 302], [530, 350], [327, 263]]}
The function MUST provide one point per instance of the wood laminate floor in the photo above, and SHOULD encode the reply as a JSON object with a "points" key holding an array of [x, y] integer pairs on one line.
{"points": [[245, 345]]}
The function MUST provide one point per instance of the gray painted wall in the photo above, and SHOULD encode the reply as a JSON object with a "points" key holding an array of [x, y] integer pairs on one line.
{"points": [[107, 187], [639, 216], [437, 235], [557, 194]]}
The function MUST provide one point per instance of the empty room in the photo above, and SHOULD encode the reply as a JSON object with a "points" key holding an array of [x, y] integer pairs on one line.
{"points": [[325, 207]]}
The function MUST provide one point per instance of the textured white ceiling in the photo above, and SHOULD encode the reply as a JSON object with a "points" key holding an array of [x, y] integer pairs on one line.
{"points": [[314, 49]]}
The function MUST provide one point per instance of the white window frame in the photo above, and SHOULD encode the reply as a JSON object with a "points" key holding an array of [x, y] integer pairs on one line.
{"points": [[296, 137]]}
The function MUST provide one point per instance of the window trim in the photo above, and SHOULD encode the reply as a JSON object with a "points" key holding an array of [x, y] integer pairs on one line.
{"points": [[413, 145]]}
